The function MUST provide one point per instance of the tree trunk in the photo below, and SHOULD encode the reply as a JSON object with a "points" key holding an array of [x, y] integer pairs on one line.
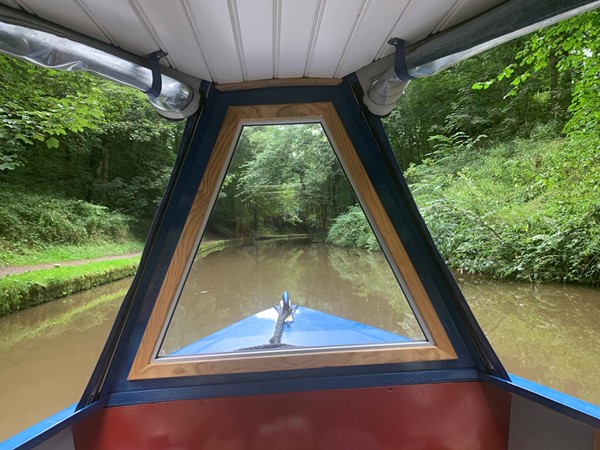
{"points": [[553, 66]]}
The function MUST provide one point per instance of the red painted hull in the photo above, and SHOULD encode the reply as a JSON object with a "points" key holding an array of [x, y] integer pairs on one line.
{"points": [[446, 416]]}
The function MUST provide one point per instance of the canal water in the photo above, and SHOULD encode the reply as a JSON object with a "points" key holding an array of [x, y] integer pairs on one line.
{"points": [[546, 333]]}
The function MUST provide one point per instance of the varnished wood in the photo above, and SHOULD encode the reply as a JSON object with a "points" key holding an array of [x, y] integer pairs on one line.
{"points": [[147, 365], [278, 82], [188, 242], [596, 440], [275, 360], [385, 230]]}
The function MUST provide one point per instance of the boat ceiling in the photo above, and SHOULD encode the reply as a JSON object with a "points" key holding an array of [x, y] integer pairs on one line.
{"points": [[239, 40]]}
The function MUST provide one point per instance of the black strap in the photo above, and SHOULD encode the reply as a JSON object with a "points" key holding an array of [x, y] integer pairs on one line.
{"points": [[154, 62], [400, 61]]}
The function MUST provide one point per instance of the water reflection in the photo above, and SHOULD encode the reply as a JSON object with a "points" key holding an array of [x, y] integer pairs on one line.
{"points": [[228, 286], [48, 353], [546, 333]]}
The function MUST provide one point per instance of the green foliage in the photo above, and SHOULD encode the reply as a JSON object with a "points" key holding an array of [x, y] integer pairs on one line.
{"points": [[21, 291], [283, 179], [30, 220], [80, 137], [526, 210], [549, 78], [567, 57], [42, 106], [352, 230], [446, 104]]}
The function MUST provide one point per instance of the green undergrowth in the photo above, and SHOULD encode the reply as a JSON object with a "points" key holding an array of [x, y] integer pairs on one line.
{"points": [[28, 289], [527, 210], [32, 222], [352, 230]]}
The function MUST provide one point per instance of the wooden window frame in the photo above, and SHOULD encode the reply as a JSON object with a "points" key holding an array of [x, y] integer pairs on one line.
{"points": [[147, 365]]}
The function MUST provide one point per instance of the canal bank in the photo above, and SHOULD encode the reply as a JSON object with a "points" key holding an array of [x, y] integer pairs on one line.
{"points": [[28, 286]]}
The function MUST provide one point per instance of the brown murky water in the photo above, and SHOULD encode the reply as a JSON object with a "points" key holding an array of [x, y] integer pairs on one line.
{"points": [[355, 285], [546, 333], [47, 354]]}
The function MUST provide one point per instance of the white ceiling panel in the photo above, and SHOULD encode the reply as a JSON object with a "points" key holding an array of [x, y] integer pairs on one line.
{"points": [[297, 22], [213, 26], [373, 31], [230, 41], [175, 32], [68, 14], [340, 18], [418, 21], [123, 25], [257, 29]]}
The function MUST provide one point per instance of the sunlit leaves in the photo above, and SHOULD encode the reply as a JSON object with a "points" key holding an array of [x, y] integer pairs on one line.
{"points": [[572, 50], [42, 106]]}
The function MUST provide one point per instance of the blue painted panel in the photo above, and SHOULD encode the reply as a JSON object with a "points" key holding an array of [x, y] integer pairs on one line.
{"points": [[555, 400], [291, 383], [310, 328], [50, 426]]}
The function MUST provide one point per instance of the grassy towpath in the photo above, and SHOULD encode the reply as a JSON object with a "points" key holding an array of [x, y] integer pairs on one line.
{"points": [[5, 271], [25, 286]]}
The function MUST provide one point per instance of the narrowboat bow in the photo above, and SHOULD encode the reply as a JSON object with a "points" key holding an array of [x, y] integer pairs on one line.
{"points": [[291, 376]]}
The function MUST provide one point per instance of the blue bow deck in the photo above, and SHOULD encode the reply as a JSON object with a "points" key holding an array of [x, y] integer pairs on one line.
{"points": [[310, 328]]}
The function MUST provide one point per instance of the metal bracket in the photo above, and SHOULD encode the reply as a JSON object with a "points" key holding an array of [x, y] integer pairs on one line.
{"points": [[154, 62], [400, 60]]}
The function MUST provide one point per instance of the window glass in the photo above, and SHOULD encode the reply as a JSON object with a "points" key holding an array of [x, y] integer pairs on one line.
{"points": [[501, 155], [83, 165], [286, 220]]}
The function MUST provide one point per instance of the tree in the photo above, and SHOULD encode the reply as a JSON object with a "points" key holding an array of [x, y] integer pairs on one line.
{"points": [[282, 178], [43, 109], [567, 56]]}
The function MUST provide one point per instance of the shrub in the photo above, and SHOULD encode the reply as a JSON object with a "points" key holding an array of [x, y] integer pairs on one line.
{"points": [[352, 230], [525, 210], [31, 220]]}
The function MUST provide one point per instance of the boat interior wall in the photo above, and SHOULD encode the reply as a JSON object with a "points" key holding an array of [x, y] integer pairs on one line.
{"points": [[61, 441], [447, 415], [535, 427]]}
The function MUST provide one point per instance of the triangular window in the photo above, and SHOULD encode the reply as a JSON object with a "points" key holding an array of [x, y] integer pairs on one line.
{"points": [[278, 233], [286, 219]]}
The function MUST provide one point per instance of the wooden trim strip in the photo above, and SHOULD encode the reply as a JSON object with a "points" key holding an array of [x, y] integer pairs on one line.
{"points": [[188, 242], [278, 82], [146, 364], [385, 230], [596, 440]]}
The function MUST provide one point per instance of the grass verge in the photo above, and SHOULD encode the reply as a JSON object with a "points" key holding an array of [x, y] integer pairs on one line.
{"points": [[28, 289], [62, 253]]}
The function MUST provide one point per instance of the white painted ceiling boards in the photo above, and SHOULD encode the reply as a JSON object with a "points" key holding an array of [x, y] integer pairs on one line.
{"points": [[243, 40]]}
